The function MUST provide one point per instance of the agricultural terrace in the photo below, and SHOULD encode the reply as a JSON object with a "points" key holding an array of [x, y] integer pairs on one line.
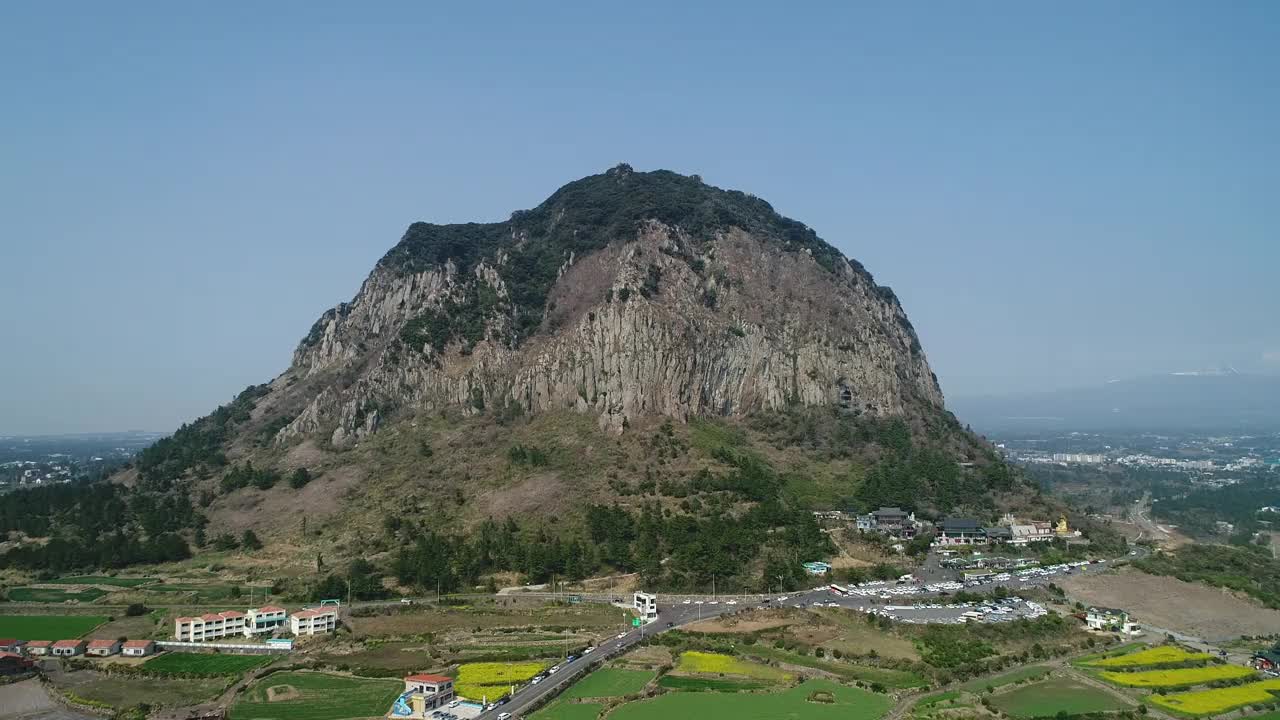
{"points": [[1180, 677], [315, 696], [1219, 700], [48, 627], [100, 580], [1053, 697], [811, 700], [1151, 657], [610, 682], [694, 662], [121, 691], [205, 664], [492, 680], [54, 595]]}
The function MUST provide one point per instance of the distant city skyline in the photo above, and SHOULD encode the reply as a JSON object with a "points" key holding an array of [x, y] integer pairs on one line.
{"points": [[1060, 196]]}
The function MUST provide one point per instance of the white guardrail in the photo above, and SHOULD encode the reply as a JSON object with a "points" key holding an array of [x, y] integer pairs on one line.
{"points": [[237, 647]]}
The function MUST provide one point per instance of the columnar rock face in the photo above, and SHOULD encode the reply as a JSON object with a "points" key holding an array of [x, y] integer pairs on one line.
{"points": [[624, 295]]}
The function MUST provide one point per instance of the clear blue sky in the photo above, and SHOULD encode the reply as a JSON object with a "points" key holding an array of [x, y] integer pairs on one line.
{"points": [[1060, 193]]}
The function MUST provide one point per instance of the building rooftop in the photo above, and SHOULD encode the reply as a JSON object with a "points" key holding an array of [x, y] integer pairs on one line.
{"points": [[102, 643], [39, 643], [68, 643], [270, 609], [138, 643], [960, 525], [315, 612]]}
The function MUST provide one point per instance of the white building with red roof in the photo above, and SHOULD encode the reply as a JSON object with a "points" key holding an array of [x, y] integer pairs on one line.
{"points": [[138, 648], [314, 621], [103, 648]]}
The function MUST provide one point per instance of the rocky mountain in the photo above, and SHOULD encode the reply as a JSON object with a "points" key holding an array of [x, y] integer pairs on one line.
{"points": [[625, 294], [643, 373]]}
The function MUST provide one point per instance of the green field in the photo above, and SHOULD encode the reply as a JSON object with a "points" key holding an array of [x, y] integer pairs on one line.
{"points": [[315, 696], [897, 679], [48, 627], [101, 580], [679, 682], [609, 682], [561, 710], [121, 692], [198, 592], [1048, 698], [206, 663], [52, 595], [793, 704], [941, 697], [1027, 673]]}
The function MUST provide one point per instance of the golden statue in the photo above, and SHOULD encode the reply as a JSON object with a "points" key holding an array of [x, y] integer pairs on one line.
{"points": [[1062, 528]]}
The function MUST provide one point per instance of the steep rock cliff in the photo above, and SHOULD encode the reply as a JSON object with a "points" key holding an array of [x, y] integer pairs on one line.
{"points": [[624, 294]]}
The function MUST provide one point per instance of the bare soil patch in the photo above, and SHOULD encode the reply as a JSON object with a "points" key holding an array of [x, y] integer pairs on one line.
{"points": [[1205, 612], [749, 623]]}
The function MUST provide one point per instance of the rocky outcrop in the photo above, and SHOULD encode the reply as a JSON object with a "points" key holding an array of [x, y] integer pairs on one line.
{"points": [[655, 319]]}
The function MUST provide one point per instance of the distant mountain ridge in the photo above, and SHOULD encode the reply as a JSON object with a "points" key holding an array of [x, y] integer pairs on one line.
{"points": [[1199, 400]]}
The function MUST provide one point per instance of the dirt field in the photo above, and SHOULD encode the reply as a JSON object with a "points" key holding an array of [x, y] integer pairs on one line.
{"points": [[28, 700], [749, 623], [1198, 610]]}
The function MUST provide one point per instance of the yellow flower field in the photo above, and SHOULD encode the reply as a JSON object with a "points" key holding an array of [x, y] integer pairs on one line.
{"points": [[1219, 700], [1162, 655], [1181, 677], [693, 661], [492, 680]]}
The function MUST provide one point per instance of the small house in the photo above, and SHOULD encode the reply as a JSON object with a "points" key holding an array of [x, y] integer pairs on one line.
{"points": [[138, 648], [39, 647], [12, 645], [69, 648], [103, 648], [12, 663]]}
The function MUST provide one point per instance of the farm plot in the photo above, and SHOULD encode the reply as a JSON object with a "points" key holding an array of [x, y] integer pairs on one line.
{"points": [[101, 580], [1219, 700], [121, 692], [206, 664], [1151, 657], [1017, 676], [48, 627], [1180, 677], [609, 682], [492, 680], [562, 710], [1054, 696], [693, 662], [54, 595], [812, 700], [315, 696]]}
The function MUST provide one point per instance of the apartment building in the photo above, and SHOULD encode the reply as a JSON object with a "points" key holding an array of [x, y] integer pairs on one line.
{"points": [[265, 620], [314, 621], [210, 626]]}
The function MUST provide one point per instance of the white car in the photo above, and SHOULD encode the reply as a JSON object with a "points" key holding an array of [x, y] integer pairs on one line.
{"points": [[732, 602], [535, 681], [697, 602], [504, 716], [715, 602], [621, 635], [589, 650], [686, 602], [553, 670]]}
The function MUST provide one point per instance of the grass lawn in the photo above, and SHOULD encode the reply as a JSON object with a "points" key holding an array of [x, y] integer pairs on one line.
{"points": [[1048, 698], [561, 710], [100, 580], [206, 663], [609, 682], [123, 692], [48, 627], [696, 684], [1020, 675], [793, 704], [52, 595], [199, 592], [315, 696]]}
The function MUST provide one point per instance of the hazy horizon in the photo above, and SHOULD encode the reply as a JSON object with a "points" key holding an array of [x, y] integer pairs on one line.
{"points": [[1059, 196]]}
